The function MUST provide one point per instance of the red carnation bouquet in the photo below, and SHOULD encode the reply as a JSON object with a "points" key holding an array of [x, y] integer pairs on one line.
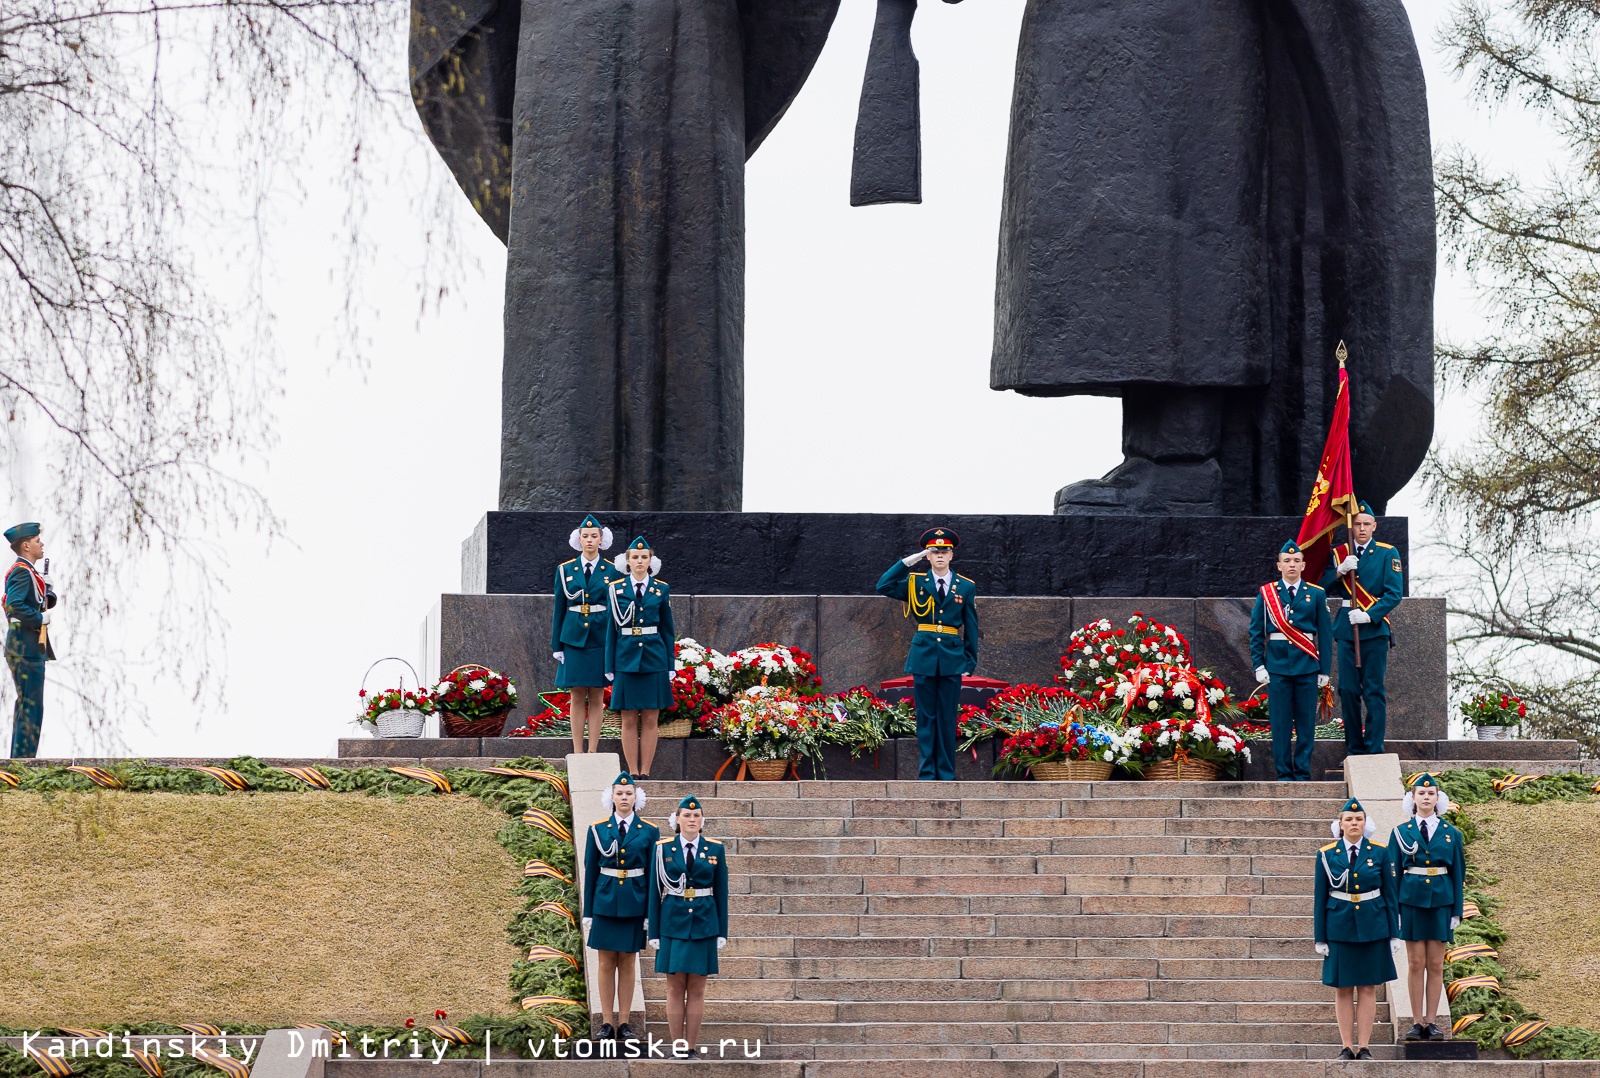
{"points": [[1100, 655], [474, 692]]}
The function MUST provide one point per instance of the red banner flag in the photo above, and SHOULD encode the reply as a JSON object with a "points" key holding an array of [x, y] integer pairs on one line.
{"points": [[1333, 495]]}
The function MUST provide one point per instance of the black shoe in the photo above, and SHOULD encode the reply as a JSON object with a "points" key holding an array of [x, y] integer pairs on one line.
{"points": [[1434, 1033], [1417, 1032], [606, 1032], [626, 1034], [1365, 1053], [1345, 1053]]}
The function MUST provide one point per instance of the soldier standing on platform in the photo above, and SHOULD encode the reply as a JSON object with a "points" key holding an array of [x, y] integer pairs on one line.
{"points": [[616, 898], [1430, 866], [1291, 649], [578, 628], [1370, 576], [29, 598], [944, 647], [688, 920], [1353, 920], [641, 648]]}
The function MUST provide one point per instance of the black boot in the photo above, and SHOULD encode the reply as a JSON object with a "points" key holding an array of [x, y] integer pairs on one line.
{"points": [[606, 1032], [1417, 1032]]}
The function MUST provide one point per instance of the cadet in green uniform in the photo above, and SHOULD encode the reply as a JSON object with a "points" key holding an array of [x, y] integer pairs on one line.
{"points": [[616, 898], [1353, 920], [688, 917], [1369, 580], [578, 628], [29, 598], [1428, 858], [944, 647], [1292, 651], [640, 649]]}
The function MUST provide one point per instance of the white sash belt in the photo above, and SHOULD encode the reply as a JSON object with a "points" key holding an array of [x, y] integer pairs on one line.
{"points": [[637, 630], [1437, 871], [622, 873], [1365, 896]]}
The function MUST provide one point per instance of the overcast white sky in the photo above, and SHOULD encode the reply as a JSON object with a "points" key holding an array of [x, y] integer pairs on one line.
{"points": [[383, 467]]}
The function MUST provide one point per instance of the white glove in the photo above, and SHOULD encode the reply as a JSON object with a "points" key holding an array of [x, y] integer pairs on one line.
{"points": [[611, 677], [722, 941], [1261, 675], [46, 618], [1359, 616], [912, 559], [588, 923], [1455, 923], [654, 944], [559, 656], [1322, 681], [1349, 564], [1322, 949]]}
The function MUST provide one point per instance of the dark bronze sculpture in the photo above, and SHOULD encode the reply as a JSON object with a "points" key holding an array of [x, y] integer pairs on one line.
{"points": [[604, 141], [1202, 197]]}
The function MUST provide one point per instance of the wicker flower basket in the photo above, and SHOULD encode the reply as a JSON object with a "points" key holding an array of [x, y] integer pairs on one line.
{"points": [[1072, 771], [406, 722], [767, 770], [675, 728], [453, 725], [1174, 771]]}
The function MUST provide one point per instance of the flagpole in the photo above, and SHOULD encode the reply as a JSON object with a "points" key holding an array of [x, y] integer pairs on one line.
{"points": [[1349, 534]]}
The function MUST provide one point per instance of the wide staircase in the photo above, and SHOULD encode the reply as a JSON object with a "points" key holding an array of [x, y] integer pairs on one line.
{"points": [[1020, 921]]}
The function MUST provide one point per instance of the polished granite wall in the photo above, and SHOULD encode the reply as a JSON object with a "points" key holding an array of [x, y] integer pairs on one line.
{"points": [[861, 640]]}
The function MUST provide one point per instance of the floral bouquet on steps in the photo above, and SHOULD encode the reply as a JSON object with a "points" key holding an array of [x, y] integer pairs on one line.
{"points": [[861, 722], [1174, 748], [1077, 751], [1100, 654], [768, 731], [473, 701]]}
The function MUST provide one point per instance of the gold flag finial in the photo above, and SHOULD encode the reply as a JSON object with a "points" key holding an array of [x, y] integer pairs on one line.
{"points": [[1341, 353]]}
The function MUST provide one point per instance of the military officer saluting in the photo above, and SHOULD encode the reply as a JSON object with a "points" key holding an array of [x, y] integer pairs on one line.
{"points": [[1428, 858], [944, 647], [1368, 577], [1291, 649], [1353, 920], [616, 898], [688, 917], [29, 598], [578, 628]]}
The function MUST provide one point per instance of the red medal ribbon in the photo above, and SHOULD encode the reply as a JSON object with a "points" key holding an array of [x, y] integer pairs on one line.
{"points": [[38, 581]]}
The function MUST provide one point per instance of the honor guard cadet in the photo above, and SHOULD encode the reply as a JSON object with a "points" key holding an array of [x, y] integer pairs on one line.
{"points": [[1428, 859], [616, 898], [640, 650], [29, 598], [1353, 920], [944, 647], [1368, 578], [688, 917], [1291, 649], [578, 628]]}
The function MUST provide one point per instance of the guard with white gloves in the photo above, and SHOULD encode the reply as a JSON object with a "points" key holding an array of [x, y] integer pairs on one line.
{"points": [[1353, 921], [1428, 857], [29, 598], [1368, 576], [688, 917], [1291, 648], [616, 898], [578, 628]]}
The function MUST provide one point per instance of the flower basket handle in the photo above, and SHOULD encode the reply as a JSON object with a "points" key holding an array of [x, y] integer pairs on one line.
{"points": [[415, 681]]}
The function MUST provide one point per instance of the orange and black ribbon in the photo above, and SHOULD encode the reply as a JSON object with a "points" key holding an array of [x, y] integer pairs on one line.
{"points": [[526, 773], [85, 1033], [317, 781], [530, 1003], [145, 1062], [541, 952], [200, 1029], [99, 776], [1511, 782], [228, 1065], [537, 867], [225, 775], [1523, 1033], [453, 1034], [555, 907], [54, 1066], [1470, 950], [1469, 909], [333, 1034], [546, 821], [562, 1027], [425, 774], [8, 779], [1463, 1022], [1462, 984]]}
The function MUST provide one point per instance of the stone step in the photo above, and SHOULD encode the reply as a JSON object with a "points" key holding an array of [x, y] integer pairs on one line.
{"points": [[1066, 947], [962, 905], [925, 792], [1006, 1011], [746, 982], [1106, 1061], [993, 1034], [1027, 836], [1520, 766]]}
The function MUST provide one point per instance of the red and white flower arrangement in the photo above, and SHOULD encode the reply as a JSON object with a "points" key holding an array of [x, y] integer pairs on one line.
{"points": [[1183, 739], [474, 692], [1099, 655], [374, 704], [1159, 690], [774, 725]]}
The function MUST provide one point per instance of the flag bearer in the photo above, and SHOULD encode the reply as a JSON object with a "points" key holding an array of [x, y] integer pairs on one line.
{"points": [[1367, 576], [1291, 647], [1428, 857], [1353, 920], [29, 598]]}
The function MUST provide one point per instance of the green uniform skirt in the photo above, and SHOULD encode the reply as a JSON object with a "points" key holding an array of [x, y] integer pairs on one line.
{"points": [[1356, 965], [583, 668], [624, 934], [1426, 923], [641, 692], [687, 956]]}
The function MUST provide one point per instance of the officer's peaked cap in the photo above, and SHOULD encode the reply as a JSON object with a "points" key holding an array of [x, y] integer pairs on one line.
{"points": [[942, 538]]}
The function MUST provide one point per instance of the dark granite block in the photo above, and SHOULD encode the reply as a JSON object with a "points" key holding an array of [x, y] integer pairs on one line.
{"points": [[702, 757], [1412, 750], [730, 622], [1221, 642], [508, 633], [1178, 613], [553, 749], [837, 766], [1513, 749], [668, 764], [861, 640], [1326, 756], [1418, 694], [1023, 637], [409, 746], [970, 768]]}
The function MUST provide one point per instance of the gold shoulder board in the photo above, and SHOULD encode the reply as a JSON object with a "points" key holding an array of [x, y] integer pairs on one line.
{"points": [[1329, 846]]}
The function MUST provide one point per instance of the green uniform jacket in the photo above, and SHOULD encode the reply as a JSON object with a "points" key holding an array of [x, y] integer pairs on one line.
{"points": [[1446, 850], [570, 627], [628, 652], [25, 612], [1380, 573], [609, 896], [935, 653], [1309, 614], [681, 917], [1335, 920]]}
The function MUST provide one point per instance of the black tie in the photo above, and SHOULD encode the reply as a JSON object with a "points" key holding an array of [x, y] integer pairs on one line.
{"points": [[941, 591], [638, 589], [688, 853], [1427, 830], [1353, 854], [587, 569], [622, 829]]}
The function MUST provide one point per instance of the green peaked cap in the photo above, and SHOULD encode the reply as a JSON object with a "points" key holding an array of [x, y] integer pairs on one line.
{"points": [[1425, 779], [623, 779], [1363, 507]]}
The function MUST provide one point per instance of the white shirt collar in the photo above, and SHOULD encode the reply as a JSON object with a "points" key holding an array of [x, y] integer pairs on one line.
{"points": [[589, 565], [1292, 587], [628, 819], [947, 580], [685, 840]]}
